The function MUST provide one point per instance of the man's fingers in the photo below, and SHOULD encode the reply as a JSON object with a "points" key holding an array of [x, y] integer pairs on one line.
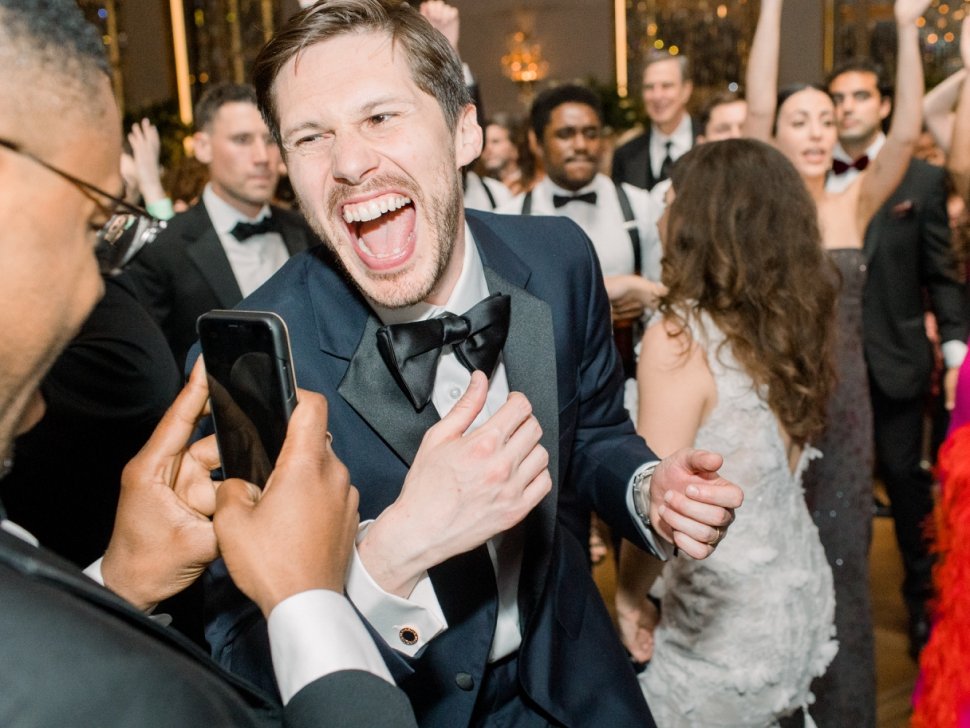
{"points": [[512, 417], [466, 409], [692, 547], [206, 453], [699, 531], [710, 515], [179, 422], [722, 493], [306, 432], [702, 462], [235, 499], [537, 489]]}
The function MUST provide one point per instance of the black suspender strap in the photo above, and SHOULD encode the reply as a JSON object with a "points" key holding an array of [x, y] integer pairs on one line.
{"points": [[630, 223], [489, 195]]}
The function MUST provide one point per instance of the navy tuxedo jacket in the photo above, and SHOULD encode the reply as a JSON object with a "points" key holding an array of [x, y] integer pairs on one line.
{"points": [[560, 354]]}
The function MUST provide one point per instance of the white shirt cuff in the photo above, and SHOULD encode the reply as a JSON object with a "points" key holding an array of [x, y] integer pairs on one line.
{"points": [[954, 353], [315, 633], [661, 548], [93, 572], [406, 625]]}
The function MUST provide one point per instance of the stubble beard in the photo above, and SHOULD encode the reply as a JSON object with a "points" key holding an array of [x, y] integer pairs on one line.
{"points": [[396, 290]]}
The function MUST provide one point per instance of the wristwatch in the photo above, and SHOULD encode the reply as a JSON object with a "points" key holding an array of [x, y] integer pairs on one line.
{"points": [[641, 494]]}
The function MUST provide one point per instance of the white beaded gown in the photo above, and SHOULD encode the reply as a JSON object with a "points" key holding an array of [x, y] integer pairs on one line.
{"points": [[743, 632]]}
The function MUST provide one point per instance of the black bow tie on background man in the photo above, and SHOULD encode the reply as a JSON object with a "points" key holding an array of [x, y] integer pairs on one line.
{"points": [[840, 167], [245, 230], [560, 200], [411, 350]]}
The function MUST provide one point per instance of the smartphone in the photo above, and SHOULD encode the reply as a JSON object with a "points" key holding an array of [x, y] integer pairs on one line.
{"points": [[252, 388]]}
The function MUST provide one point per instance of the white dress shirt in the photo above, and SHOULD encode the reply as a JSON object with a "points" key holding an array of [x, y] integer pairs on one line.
{"points": [[421, 612], [311, 634], [955, 350], [478, 188], [253, 260], [681, 141], [603, 222]]}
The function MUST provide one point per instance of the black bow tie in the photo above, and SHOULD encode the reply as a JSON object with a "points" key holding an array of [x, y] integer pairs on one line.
{"points": [[411, 350], [245, 230], [560, 200], [840, 167]]}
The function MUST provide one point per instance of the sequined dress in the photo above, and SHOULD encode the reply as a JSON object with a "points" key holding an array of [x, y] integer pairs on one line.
{"points": [[744, 631], [838, 487]]}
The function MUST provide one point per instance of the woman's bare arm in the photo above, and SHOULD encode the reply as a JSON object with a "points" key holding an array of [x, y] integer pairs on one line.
{"points": [[761, 76]]}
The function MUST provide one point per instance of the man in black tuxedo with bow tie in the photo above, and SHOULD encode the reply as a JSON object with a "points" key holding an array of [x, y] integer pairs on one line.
{"points": [[75, 653], [909, 262], [232, 240], [482, 603]]}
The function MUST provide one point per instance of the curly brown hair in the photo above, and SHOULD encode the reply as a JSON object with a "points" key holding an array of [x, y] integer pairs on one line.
{"points": [[742, 243]]}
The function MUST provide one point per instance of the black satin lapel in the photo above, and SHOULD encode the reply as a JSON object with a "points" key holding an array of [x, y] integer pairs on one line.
{"points": [[530, 364], [210, 258], [370, 389]]}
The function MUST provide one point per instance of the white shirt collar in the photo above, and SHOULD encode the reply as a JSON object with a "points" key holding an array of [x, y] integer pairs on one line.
{"points": [[682, 137], [557, 190], [223, 215], [470, 288], [871, 151]]}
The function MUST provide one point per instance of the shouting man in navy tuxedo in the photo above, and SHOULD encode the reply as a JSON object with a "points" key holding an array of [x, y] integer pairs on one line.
{"points": [[482, 603]]}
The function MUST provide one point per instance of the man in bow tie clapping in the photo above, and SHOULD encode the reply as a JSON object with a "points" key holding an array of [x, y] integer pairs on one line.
{"points": [[228, 244], [566, 130], [481, 601]]}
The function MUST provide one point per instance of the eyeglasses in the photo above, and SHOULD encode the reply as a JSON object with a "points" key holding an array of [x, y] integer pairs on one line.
{"points": [[129, 228]]}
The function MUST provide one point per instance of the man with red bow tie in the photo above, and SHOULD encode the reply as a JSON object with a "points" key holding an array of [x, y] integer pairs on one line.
{"points": [[907, 249]]}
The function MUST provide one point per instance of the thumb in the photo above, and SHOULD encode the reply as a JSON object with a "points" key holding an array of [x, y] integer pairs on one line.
{"points": [[235, 501], [702, 462], [464, 412]]}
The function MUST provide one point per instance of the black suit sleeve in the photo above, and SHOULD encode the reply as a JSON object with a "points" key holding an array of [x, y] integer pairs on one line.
{"points": [[349, 699], [937, 261]]}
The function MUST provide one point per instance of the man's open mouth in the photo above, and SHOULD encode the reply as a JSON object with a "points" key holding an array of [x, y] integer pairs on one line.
{"points": [[381, 229]]}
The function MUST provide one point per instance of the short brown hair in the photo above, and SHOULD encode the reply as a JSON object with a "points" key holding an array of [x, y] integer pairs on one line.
{"points": [[435, 67], [217, 96], [743, 245]]}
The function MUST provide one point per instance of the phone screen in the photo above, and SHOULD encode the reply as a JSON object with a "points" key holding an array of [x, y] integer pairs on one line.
{"points": [[251, 392]]}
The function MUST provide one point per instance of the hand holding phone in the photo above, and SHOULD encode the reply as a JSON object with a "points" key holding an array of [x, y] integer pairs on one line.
{"points": [[252, 388]]}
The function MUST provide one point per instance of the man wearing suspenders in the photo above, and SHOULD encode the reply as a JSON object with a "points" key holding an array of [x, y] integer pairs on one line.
{"points": [[566, 129]]}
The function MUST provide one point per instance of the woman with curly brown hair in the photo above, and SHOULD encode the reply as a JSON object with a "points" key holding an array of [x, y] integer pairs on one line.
{"points": [[737, 359]]}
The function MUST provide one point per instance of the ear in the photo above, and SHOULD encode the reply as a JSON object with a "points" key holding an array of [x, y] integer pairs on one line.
{"points": [[468, 137], [202, 146], [534, 145], [885, 107], [688, 90]]}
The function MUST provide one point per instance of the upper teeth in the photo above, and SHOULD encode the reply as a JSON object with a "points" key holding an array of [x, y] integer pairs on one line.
{"points": [[373, 209]]}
